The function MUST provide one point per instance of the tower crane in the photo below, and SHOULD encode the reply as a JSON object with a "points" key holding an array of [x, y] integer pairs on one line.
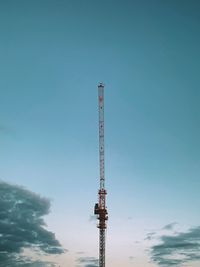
{"points": [[100, 208]]}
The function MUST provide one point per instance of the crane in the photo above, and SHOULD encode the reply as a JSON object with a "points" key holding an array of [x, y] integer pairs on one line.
{"points": [[100, 208]]}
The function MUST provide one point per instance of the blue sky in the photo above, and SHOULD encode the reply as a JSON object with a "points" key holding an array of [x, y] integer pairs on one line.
{"points": [[53, 54]]}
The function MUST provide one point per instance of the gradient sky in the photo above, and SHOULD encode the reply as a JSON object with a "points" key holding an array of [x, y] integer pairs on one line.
{"points": [[53, 53]]}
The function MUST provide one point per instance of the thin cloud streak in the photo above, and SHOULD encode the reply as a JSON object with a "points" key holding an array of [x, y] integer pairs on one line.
{"points": [[88, 261], [169, 226]]}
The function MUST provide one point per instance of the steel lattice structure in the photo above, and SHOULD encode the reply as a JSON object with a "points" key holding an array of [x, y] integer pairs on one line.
{"points": [[100, 208]]}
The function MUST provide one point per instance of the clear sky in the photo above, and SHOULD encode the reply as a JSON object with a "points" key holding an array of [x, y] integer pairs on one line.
{"points": [[53, 53]]}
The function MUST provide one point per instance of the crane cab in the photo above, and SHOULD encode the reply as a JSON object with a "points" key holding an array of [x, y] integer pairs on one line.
{"points": [[96, 209]]}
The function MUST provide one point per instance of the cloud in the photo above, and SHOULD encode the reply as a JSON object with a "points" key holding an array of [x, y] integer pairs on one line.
{"points": [[177, 249], [22, 227], [150, 236], [80, 252], [88, 261], [20, 263], [169, 226]]}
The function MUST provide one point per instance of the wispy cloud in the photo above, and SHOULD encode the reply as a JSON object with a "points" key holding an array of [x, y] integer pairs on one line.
{"points": [[22, 227], [175, 250], [88, 261], [80, 252], [150, 236], [169, 226]]}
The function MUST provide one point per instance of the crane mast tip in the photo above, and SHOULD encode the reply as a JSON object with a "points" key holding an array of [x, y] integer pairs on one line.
{"points": [[101, 84]]}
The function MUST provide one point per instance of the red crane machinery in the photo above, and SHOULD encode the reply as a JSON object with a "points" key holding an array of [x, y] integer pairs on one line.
{"points": [[100, 208]]}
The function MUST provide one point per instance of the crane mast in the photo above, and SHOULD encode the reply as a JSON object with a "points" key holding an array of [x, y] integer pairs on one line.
{"points": [[100, 208]]}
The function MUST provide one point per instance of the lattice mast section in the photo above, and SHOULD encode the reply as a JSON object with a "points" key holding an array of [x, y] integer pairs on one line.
{"points": [[100, 208]]}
